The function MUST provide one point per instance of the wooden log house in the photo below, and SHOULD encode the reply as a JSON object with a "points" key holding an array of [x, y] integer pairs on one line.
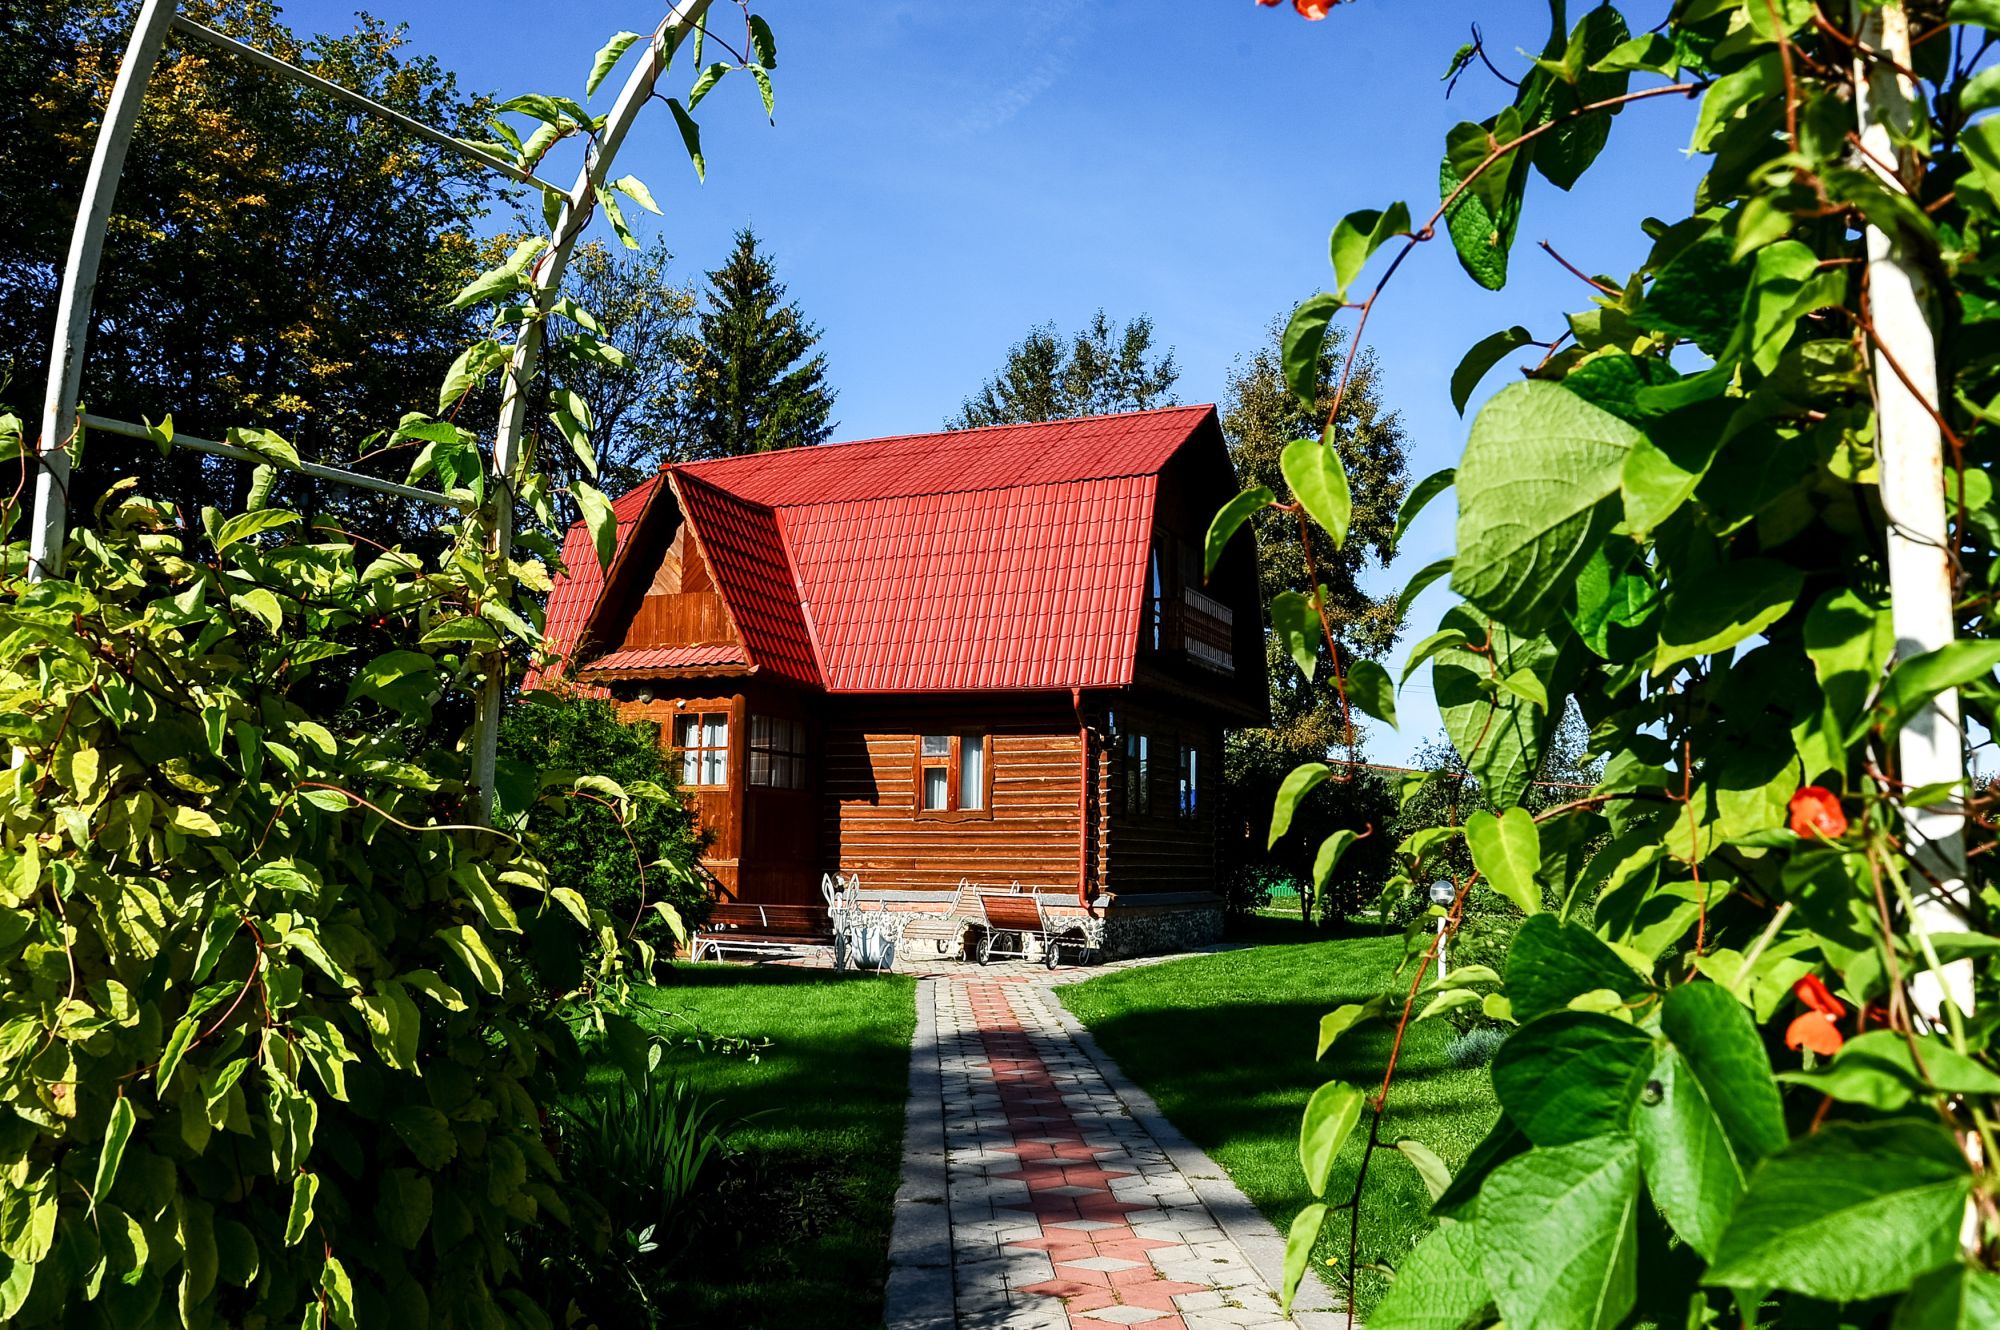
{"points": [[986, 654]]}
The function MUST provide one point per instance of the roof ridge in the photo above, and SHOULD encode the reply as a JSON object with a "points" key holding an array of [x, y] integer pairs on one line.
{"points": [[822, 448]]}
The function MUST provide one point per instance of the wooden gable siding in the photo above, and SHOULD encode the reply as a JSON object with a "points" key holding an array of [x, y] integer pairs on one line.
{"points": [[871, 823], [680, 605]]}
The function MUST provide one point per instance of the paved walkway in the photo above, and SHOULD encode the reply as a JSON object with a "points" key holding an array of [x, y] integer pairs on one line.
{"points": [[1043, 1191]]}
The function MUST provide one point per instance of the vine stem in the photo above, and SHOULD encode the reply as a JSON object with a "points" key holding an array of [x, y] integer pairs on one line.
{"points": [[1429, 229]]}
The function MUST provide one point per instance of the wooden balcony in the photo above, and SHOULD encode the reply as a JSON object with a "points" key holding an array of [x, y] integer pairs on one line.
{"points": [[1208, 632]]}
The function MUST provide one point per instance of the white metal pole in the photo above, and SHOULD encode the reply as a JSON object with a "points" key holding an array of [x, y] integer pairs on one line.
{"points": [[79, 286], [1911, 460], [575, 215]]}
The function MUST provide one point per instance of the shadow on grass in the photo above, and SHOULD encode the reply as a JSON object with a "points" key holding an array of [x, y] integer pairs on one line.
{"points": [[798, 1232]]}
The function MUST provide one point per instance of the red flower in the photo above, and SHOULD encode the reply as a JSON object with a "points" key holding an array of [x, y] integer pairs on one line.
{"points": [[1313, 9], [1816, 1028], [1816, 812], [1269, 4]]}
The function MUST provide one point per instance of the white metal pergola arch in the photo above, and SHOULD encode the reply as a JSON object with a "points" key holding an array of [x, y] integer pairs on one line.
{"points": [[63, 421]]}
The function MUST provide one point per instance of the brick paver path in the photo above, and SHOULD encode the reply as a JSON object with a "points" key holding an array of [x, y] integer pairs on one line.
{"points": [[1065, 1214]]}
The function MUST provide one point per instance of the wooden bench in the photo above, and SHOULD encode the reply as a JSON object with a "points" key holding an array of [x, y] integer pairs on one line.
{"points": [[746, 927], [946, 930], [1020, 914]]}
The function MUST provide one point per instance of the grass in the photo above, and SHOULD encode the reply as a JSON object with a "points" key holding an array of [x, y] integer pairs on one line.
{"points": [[801, 1234], [1225, 1044]]}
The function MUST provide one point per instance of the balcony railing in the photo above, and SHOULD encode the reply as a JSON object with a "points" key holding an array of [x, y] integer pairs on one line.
{"points": [[1208, 631]]}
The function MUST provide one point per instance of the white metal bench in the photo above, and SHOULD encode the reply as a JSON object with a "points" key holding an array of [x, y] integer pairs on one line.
{"points": [[1021, 915]]}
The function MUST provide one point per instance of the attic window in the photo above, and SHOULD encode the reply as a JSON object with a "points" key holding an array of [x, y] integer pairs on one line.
{"points": [[703, 742], [953, 777]]}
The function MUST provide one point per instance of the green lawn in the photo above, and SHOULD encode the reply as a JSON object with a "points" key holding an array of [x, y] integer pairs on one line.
{"points": [[1225, 1043], [802, 1234]]}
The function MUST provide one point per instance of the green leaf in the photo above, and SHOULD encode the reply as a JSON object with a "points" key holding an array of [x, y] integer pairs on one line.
{"points": [[304, 1188], [339, 1292], [635, 189], [705, 83], [170, 1059], [1877, 1069], [259, 602], [1359, 234], [1328, 858], [472, 366], [598, 518], [1693, 1170], [1958, 1298], [1344, 1018], [1318, 481], [1914, 682], [427, 1132], [1298, 783], [493, 284], [1980, 13], [1507, 850], [117, 1132], [764, 90], [1436, 1176], [403, 1206], [1420, 495], [1296, 622], [1487, 352], [1501, 737], [1329, 1119], [1659, 477], [1299, 1248], [1854, 1210], [1232, 516], [1305, 336], [1849, 638], [1525, 685], [1503, 1142], [762, 44], [1572, 1075], [1370, 688], [1725, 1052], [607, 60], [1558, 1231], [1482, 222], [1426, 575], [1715, 611], [1535, 494], [1444, 639], [1438, 1286], [471, 950], [1551, 963], [244, 525], [690, 138]]}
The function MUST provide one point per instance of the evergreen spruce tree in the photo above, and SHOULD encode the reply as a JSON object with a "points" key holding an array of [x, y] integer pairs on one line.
{"points": [[756, 382]]}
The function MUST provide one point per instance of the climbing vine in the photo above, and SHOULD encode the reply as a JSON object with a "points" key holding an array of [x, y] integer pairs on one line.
{"points": [[1750, 1078], [280, 1007]]}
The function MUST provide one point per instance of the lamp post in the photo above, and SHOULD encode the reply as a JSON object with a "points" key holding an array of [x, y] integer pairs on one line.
{"points": [[1443, 893]]}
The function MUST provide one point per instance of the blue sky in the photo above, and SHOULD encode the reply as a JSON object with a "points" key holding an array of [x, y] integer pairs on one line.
{"points": [[943, 175]]}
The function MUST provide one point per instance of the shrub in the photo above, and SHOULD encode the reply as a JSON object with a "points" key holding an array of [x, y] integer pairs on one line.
{"points": [[271, 1043], [1255, 761], [641, 1158], [619, 866]]}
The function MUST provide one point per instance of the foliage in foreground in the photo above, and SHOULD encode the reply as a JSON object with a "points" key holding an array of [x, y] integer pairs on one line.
{"points": [[278, 1016], [619, 858], [1736, 1095], [270, 1039]]}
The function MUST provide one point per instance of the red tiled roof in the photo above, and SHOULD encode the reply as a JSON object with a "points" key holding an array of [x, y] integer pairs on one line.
{"points": [[577, 586], [747, 556], [1012, 557], [669, 658], [998, 457]]}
